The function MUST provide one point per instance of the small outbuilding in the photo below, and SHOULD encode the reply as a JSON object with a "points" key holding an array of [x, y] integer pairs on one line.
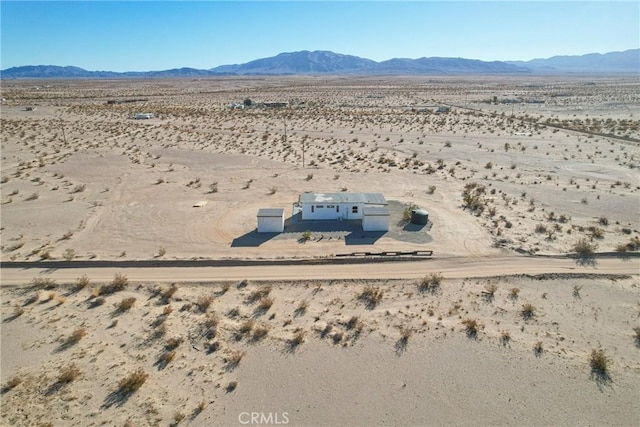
{"points": [[271, 220], [375, 219]]}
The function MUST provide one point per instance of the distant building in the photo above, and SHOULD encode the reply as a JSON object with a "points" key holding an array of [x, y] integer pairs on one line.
{"points": [[142, 116]]}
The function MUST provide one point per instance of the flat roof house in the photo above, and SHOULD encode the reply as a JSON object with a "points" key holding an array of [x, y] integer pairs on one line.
{"points": [[346, 206]]}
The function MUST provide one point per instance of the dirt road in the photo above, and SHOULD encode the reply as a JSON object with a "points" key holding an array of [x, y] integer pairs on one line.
{"points": [[455, 267]]}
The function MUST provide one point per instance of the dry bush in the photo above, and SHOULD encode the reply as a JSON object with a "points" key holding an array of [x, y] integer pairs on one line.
{"points": [[371, 295], [82, 282], [302, 307], [471, 327], [528, 311], [430, 283], [234, 358], [167, 310], [14, 382], [132, 382], [636, 332], [246, 327], [537, 348], [17, 311], [584, 248], [514, 292], [260, 293], [119, 283], [405, 333], [599, 363], [576, 290], [166, 357], [298, 338], [76, 336], [490, 290], [126, 304], [225, 288], [203, 302], [68, 374], [162, 251], [265, 303], [44, 283], [259, 332], [173, 343], [231, 386], [505, 337], [167, 293]]}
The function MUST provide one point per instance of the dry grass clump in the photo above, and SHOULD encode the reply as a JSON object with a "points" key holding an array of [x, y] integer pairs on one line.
{"points": [[371, 295], [260, 293], [45, 283], [301, 309], [11, 384], [132, 382], [537, 348], [234, 358], [246, 327], [636, 335], [299, 336], [203, 302], [514, 292], [126, 304], [17, 311], [166, 357], [576, 290], [173, 343], [76, 336], [599, 363], [430, 283], [265, 303], [490, 291], [167, 293], [505, 337], [259, 332], [82, 282], [68, 374], [471, 327], [528, 311], [119, 283]]}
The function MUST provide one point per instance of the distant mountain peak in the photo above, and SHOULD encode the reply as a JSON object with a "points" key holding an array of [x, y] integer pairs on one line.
{"points": [[327, 62]]}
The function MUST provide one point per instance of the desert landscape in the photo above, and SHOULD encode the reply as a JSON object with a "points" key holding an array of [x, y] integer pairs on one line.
{"points": [[136, 291]]}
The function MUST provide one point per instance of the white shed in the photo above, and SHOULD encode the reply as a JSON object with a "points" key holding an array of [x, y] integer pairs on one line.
{"points": [[271, 220], [375, 219]]}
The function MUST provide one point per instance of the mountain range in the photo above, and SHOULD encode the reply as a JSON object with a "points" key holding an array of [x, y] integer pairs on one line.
{"points": [[325, 62]]}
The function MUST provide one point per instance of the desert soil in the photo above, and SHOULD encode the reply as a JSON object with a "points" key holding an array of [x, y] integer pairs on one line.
{"points": [[514, 176]]}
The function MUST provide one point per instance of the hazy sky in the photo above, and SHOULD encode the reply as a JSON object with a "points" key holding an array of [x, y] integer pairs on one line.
{"points": [[157, 35]]}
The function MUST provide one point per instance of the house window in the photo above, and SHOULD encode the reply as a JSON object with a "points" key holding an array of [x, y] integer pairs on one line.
{"points": [[319, 206], [337, 208], [312, 209], [330, 206], [354, 209]]}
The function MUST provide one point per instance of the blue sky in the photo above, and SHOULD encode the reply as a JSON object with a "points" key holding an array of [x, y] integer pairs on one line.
{"points": [[157, 35]]}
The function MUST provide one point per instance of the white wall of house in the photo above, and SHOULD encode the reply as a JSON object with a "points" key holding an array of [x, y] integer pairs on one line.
{"points": [[332, 211]]}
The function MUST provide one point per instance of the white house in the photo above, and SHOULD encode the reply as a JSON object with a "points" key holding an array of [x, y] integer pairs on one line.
{"points": [[271, 220], [338, 206]]}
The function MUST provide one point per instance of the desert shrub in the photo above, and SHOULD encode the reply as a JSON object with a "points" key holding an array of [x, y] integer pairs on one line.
{"points": [[224, 288], [636, 335], [68, 374], [371, 295], [246, 327], [44, 283], [432, 189], [126, 304], [166, 357], [490, 290], [162, 251], [537, 348], [119, 283], [584, 248], [69, 254], [430, 283], [82, 282], [203, 302], [514, 292], [603, 220], [471, 327], [259, 293], [302, 307], [528, 311], [76, 336], [576, 290], [132, 382], [265, 303], [596, 232], [18, 311], [354, 323], [167, 310], [173, 343], [231, 386], [541, 228], [505, 337], [234, 358], [33, 196], [260, 332], [599, 362], [405, 333], [298, 338], [167, 293], [306, 236]]}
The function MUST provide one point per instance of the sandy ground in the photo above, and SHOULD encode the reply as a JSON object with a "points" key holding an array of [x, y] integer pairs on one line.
{"points": [[546, 164]]}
